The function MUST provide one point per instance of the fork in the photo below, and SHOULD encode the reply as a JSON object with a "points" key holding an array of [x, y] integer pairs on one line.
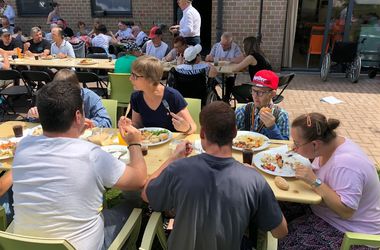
{"points": [[126, 152], [166, 105]]}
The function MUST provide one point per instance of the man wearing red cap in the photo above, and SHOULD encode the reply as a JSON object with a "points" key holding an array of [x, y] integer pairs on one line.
{"points": [[262, 115], [156, 47]]}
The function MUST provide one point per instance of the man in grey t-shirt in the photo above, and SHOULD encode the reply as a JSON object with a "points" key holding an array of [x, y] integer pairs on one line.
{"points": [[59, 180], [214, 196]]}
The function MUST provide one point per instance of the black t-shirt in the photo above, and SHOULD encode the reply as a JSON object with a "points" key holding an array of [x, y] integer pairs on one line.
{"points": [[14, 44], [68, 32], [39, 47], [262, 63]]}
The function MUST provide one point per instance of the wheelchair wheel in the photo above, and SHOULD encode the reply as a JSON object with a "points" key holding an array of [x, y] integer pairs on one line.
{"points": [[372, 73], [325, 68], [355, 69], [212, 97]]}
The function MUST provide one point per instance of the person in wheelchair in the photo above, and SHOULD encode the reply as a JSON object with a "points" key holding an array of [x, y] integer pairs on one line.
{"points": [[193, 63], [262, 115], [153, 104]]}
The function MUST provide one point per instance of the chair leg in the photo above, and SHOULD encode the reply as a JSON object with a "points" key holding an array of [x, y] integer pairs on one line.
{"points": [[307, 60]]}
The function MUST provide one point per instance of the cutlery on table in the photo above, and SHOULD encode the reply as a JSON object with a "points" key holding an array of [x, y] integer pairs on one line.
{"points": [[124, 153]]}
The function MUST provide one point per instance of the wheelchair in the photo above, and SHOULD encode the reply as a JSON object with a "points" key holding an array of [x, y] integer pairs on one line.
{"points": [[344, 56]]}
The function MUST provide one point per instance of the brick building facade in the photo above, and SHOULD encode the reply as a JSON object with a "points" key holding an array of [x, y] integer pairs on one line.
{"points": [[239, 17]]}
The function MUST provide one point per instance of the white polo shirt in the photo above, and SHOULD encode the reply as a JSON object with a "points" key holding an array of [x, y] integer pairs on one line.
{"points": [[65, 48]]}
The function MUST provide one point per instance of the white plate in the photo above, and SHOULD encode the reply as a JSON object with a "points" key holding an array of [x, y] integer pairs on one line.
{"points": [[87, 133], [155, 129], [117, 150], [288, 162], [3, 157], [31, 130], [242, 133]]}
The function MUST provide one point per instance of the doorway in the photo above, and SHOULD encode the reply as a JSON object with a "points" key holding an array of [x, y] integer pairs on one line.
{"points": [[204, 8]]}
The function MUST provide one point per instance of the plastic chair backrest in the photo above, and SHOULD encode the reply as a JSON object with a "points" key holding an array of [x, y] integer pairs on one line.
{"points": [[85, 77], [9, 241], [153, 228], [194, 107], [360, 239], [121, 87], [9, 75], [111, 107]]}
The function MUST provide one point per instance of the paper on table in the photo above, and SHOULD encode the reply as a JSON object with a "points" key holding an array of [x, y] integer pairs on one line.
{"points": [[331, 100]]}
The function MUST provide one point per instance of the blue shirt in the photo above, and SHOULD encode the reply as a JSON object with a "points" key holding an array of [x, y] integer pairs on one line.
{"points": [[93, 109], [279, 131], [160, 116]]}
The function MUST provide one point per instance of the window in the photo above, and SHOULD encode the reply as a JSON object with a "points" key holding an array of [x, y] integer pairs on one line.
{"points": [[111, 8], [33, 7]]}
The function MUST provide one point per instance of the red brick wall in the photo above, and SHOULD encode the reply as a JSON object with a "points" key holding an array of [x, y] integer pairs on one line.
{"points": [[239, 16]]}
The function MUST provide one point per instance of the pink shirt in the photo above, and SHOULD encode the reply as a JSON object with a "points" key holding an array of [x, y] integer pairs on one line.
{"points": [[353, 177]]}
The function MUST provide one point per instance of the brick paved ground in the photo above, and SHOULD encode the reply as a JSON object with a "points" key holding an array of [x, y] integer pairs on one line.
{"points": [[359, 114]]}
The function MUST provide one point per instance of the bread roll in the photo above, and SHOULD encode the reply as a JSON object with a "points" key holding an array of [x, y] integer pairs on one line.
{"points": [[281, 183]]}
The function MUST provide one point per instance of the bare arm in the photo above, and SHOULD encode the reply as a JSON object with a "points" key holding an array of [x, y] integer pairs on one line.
{"points": [[135, 173], [6, 182], [213, 71], [6, 64], [329, 196], [248, 60], [281, 230], [136, 120], [183, 150], [209, 58], [237, 59]]}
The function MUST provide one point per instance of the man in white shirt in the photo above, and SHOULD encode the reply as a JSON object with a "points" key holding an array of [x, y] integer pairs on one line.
{"points": [[190, 25], [61, 48], [59, 179], [156, 47], [8, 11], [140, 37], [226, 50]]}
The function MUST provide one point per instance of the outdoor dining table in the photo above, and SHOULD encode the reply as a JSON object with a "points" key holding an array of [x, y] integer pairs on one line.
{"points": [[91, 63], [299, 191]]}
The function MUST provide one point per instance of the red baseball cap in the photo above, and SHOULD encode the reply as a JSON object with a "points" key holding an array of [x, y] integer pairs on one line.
{"points": [[155, 31], [265, 78]]}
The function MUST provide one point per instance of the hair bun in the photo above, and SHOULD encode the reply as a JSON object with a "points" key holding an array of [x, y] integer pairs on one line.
{"points": [[332, 123]]}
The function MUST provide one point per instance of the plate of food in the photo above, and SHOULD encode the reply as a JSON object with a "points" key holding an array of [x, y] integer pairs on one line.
{"points": [[7, 149], [36, 131], [279, 162], [155, 136], [120, 152], [250, 140], [86, 62]]}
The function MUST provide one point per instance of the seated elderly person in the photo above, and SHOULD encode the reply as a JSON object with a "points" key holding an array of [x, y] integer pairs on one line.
{"points": [[60, 47], [179, 44], [226, 50], [156, 47], [94, 112], [124, 63], [59, 180], [262, 115], [193, 63], [140, 37], [147, 102], [37, 46], [346, 179]]}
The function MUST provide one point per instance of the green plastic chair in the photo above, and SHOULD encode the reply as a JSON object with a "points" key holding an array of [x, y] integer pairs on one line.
{"points": [[128, 234], [153, 228], [360, 239], [120, 88], [194, 107], [111, 107]]}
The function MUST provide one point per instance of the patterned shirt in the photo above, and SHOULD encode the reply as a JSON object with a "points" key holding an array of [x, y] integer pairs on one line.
{"points": [[279, 131]]}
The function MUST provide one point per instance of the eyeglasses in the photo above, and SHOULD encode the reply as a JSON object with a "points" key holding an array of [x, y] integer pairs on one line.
{"points": [[135, 76], [297, 146], [259, 93]]}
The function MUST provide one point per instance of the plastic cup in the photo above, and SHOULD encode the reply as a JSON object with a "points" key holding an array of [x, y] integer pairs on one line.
{"points": [[18, 130], [144, 148], [216, 61], [121, 140], [247, 156], [36, 57], [110, 58]]}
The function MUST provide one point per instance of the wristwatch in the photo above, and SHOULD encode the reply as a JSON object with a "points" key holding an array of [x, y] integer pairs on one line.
{"points": [[316, 183]]}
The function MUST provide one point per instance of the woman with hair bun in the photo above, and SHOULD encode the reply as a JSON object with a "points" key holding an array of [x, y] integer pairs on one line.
{"points": [[345, 178]]}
